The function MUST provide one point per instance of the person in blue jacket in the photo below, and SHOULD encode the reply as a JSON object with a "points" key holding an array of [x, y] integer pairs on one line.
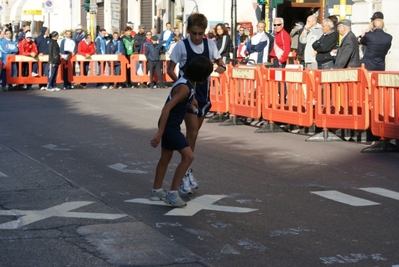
{"points": [[153, 54], [42, 43], [7, 47], [115, 47], [101, 49]]}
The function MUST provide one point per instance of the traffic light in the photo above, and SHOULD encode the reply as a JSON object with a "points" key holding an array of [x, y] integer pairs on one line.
{"points": [[86, 5], [261, 2]]}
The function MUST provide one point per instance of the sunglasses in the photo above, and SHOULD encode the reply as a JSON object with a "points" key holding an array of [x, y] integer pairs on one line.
{"points": [[275, 25]]}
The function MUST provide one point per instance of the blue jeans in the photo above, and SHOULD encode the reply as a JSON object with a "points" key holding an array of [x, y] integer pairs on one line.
{"points": [[3, 74], [326, 66]]}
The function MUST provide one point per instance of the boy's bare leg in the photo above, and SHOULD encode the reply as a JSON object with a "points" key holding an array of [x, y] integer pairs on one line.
{"points": [[166, 156], [187, 157]]}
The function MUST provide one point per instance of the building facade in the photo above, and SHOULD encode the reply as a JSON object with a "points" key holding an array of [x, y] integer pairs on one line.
{"points": [[112, 15]]}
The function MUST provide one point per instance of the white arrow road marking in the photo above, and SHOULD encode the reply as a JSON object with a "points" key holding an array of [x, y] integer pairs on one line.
{"points": [[123, 168], [31, 216], [54, 147], [344, 198], [382, 192], [200, 203], [3, 174]]}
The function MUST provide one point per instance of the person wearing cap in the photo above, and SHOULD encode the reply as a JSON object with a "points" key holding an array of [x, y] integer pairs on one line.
{"points": [[312, 31], [139, 39], [128, 43], [377, 15], [294, 34], [377, 44], [54, 62], [8, 47], [153, 54], [28, 48], [79, 34], [348, 51], [131, 25]]}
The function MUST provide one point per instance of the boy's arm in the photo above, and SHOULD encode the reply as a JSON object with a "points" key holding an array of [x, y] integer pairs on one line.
{"points": [[182, 91]]}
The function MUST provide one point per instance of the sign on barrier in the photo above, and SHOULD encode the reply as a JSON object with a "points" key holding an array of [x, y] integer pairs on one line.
{"points": [[245, 88], [288, 96]]}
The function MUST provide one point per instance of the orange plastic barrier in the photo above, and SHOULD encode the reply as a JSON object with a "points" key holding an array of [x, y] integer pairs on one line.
{"points": [[218, 92], [342, 99], [288, 96], [385, 104], [245, 91], [27, 78], [139, 61], [101, 69]]}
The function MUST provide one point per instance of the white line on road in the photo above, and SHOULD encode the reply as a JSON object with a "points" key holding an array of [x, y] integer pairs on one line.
{"points": [[55, 148], [344, 198], [382, 192], [3, 174], [204, 202], [63, 210], [123, 168]]}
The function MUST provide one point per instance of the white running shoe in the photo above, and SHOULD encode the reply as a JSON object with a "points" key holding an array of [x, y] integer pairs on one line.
{"points": [[173, 198], [184, 186], [34, 74], [104, 87], [192, 180], [56, 89], [50, 89], [158, 195], [43, 88]]}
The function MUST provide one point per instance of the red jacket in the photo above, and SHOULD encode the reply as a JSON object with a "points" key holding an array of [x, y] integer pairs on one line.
{"points": [[85, 48], [283, 40], [26, 48]]}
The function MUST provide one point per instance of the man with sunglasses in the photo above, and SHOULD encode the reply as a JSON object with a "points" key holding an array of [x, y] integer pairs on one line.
{"points": [[282, 44]]}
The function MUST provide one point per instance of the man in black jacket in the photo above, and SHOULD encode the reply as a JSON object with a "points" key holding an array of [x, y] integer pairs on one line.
{"points": [[139, 38], [42, 43], [377, 44], [54, 62]]}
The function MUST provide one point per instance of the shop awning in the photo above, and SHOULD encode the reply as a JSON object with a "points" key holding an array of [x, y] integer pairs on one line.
{"points": [[16, 10]]}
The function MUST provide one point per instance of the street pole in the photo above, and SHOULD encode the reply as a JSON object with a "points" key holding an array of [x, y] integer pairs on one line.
{"points": [[93, 19], [234, 26]]}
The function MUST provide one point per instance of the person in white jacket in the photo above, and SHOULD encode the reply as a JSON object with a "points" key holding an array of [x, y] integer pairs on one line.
{"points": [[311, 32]]}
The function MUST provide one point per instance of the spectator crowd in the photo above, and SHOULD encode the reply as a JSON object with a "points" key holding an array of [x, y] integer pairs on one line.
{"points": [[328, 45]]}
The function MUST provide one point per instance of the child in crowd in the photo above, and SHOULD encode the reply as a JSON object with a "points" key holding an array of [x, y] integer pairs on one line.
{"points": [[242, 49], [153, 53], [179, 100]]}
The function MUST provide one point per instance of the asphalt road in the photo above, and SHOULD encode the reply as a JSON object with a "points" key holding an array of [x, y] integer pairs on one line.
{"points": [[76, 168]]}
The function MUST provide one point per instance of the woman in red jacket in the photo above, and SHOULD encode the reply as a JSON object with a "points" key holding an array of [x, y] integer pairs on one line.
{"points": [[86, 48]]}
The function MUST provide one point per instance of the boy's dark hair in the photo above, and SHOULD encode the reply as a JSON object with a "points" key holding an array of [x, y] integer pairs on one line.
{"points": [[243, 38], [198, 69], [197, 19]]}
